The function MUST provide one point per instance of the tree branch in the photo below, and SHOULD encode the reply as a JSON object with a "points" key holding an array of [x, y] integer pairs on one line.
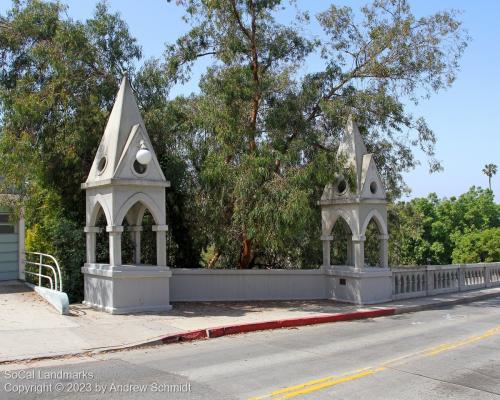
{"points": [[238, 19]]}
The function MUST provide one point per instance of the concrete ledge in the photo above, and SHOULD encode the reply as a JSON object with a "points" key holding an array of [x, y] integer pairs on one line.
{"points": [[59, 300], [124, 182], [367, 272], [127, 271], [207, 271]]}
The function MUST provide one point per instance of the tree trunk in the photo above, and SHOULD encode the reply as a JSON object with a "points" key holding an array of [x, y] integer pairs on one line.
{"points": [[246, 253]]}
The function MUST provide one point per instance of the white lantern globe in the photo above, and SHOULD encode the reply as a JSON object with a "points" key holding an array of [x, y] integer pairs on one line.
{"points": [[143, 155]]}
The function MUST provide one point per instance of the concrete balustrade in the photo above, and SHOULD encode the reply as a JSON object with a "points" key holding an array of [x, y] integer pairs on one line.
{"points": [[334, 282], [438, 279]]}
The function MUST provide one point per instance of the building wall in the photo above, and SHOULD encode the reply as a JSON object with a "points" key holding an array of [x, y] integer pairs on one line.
{"points": [[9, 247]]}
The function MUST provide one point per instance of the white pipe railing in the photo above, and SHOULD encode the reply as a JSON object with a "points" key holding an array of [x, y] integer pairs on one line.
{"points": [[40, 276], [56, 283], [437, 279]]}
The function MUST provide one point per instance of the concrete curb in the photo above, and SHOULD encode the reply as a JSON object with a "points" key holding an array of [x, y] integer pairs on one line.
{"points": [[211, 333], [215, 332], [295, 322]]}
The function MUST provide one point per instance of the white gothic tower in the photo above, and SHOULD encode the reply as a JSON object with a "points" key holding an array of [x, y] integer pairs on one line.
{"points": [[357, 198], [126, 180]]}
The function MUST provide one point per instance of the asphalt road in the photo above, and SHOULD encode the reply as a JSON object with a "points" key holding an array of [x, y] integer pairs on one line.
{"points": [[439, 354]]}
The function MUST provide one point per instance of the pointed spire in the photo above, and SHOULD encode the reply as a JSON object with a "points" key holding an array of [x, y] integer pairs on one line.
{"points": [[353, 148], [124, 116]]}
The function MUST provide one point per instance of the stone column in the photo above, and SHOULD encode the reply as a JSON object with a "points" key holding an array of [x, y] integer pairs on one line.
{"points": [[326, 250], [161, 244], [358, 244], [384, 251], [115, 245], [136, 239], [350, 258], [91, 232]]}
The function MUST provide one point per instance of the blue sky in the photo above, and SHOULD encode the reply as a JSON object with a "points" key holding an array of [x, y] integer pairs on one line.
{"points": [[465, 117]]}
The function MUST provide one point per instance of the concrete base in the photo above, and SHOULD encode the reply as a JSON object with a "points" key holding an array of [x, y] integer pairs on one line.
{"points": [[127, 288], [365, 286], [59, 300]]}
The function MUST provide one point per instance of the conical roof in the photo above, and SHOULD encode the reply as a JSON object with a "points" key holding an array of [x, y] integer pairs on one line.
{"points": [[368, 184], [124, 118], [353, 148]]}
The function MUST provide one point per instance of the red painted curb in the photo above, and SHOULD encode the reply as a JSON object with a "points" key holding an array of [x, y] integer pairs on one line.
{"points": [[302, 321], [185, 336], [210, 333]]}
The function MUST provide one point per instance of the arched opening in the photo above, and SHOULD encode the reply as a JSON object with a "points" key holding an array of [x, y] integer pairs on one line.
{"points": [[341, 245], [139, 241], [372, 244], [374, 231], [102, 238], [133, 208], [127, 244], [148, 243]]}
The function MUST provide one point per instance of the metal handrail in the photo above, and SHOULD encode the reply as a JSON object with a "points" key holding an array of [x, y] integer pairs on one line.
{"points": [[54, 273], [57, 274], [42, 276]]}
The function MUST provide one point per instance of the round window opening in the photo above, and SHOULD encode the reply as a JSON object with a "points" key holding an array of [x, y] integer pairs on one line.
{"points": [[101, 165], [373, 187], [342, 186], [140, 168]]}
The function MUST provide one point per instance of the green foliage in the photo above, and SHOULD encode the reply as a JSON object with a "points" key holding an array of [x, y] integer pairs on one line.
{"points": [[338, 247], [264, 135], [57, 86], [372, 244], [53, 233], [478, 247], [248, 156], [427, 230], [58, 83]]}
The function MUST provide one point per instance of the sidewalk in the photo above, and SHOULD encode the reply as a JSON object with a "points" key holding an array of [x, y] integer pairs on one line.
{"points": [[30, 328]]}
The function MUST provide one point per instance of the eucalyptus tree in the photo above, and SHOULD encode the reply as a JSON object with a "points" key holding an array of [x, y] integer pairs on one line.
{"points": [[263, 134]]}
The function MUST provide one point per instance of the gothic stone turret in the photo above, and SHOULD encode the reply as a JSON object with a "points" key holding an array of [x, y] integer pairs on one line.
{"points": [[357, 198], [124, 182]]}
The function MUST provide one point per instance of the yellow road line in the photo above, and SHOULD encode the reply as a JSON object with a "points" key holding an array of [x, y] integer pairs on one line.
{"points": [[330, 384], [306, 384], [460, 343], [329, 381]]}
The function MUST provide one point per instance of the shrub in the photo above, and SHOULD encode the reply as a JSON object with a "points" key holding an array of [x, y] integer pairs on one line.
{"points": [[478, 247]]}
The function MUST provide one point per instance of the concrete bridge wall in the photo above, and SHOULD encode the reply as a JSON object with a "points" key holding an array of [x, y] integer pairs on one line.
{"points": [[368, 286]]}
